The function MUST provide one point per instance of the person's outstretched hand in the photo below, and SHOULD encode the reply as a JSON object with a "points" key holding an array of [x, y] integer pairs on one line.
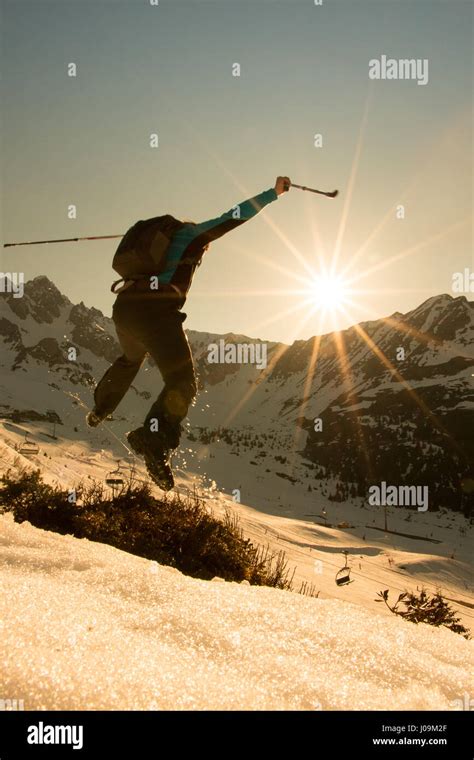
{"points": [[282, 185]]}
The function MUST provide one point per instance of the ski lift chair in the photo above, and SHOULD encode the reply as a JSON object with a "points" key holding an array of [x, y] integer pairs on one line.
{"points": [[343, 576], [114, 478], [28, 448]]}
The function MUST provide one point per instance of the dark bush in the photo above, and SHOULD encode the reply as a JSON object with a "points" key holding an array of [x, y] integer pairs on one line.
{"points": [[171, 530], [422, 608]]}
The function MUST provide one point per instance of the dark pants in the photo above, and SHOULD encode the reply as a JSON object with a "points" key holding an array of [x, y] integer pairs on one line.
{"points": [[151, 325]]}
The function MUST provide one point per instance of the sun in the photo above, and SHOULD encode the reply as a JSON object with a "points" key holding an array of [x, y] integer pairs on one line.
{"points": [[329, 292]]}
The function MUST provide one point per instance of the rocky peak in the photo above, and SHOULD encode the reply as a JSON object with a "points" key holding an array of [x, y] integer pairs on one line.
{"points": [[41, 300]]}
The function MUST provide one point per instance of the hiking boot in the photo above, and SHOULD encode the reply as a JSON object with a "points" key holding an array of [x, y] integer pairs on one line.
{"points": [[151, 447], [93, 419]]}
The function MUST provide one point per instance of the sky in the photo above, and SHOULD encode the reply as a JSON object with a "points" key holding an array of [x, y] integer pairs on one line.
{"points": [[167, 69]]}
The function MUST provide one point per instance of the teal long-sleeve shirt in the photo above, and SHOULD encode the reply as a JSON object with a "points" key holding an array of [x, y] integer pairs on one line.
{"points": [[189, 243]]}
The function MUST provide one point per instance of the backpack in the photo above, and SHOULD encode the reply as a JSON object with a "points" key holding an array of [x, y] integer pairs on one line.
{"points": [[142, 250]]}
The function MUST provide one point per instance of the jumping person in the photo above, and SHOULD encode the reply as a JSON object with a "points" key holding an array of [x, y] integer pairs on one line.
{"points": [[159, 257]]}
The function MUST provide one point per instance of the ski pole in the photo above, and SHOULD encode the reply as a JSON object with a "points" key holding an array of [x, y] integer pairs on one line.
{"points": [[312, 190], [108, 237], [65, 240]]}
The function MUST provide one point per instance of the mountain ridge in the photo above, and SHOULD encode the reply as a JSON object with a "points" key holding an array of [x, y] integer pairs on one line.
{"points": [[393, 396]]}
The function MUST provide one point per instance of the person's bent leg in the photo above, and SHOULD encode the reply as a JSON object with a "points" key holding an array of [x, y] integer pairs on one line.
{"points": [[119, 376], [169, 348]]}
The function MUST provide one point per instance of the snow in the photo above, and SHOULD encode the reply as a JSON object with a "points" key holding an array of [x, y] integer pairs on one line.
{"points": [[86, 626]]}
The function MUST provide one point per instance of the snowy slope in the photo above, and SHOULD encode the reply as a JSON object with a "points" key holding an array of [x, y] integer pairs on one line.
{"points": [[86, 626], [313, 545]]}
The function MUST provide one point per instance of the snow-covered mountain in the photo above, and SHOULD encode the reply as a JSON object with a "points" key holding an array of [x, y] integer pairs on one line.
{"points": [[391, 399]]}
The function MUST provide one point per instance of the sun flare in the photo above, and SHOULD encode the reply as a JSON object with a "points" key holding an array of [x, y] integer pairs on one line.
{"points": [[329, 292]]}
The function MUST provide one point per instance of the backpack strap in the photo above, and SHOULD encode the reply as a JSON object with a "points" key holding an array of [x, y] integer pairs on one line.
{"points": [[131, 281], [126, 284]]}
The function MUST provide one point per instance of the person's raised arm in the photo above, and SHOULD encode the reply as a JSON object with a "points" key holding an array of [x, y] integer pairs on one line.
{"points": [[242, 212]]}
